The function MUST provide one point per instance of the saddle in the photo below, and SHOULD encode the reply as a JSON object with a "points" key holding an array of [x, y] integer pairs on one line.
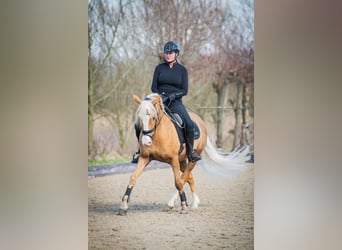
{"points": [[178, 121]]}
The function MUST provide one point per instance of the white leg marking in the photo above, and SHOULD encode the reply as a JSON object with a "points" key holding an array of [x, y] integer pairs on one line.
{"points": [[171, 202], [124, 203], [196, 201]]}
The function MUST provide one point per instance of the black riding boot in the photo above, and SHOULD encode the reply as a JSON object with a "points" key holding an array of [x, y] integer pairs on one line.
{"points": [[190, 135], [136, 155]]}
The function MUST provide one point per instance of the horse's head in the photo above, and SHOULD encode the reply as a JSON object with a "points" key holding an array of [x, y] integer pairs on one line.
{"points": [[147, 116]]}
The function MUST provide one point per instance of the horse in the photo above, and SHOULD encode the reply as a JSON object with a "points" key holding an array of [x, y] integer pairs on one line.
{"points": [[159, 141]]}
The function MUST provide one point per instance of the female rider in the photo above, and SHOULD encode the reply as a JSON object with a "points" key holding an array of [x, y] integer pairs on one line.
{"points": [[170, 80]]}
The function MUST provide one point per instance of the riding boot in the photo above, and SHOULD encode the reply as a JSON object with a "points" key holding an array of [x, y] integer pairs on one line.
{"points": [[190, 135], [137, 133]]}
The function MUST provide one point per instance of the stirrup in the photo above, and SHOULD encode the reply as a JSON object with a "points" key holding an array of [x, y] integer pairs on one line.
{"points": [[193, 157]]}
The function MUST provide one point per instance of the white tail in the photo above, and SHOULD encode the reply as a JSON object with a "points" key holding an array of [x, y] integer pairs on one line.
{"points": [[225, 165]]}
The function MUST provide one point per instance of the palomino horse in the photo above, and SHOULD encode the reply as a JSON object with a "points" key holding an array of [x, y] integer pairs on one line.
{"points": [[159, 141]]}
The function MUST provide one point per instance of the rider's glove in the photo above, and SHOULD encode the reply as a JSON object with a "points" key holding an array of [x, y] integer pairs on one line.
{"points": [[172, 97]]}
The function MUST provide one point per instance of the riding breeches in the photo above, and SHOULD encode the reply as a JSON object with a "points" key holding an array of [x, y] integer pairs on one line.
{"points": [[178, 107]]}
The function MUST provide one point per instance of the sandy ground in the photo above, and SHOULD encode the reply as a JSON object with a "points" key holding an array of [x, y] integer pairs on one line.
{"points": [[224, 219]]}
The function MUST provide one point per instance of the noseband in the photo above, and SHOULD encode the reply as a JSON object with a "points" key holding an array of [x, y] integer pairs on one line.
{"points": [[148, 132]]}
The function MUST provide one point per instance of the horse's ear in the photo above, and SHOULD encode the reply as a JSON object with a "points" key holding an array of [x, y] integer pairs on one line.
{"points": [[156, 100], [136, 99]]}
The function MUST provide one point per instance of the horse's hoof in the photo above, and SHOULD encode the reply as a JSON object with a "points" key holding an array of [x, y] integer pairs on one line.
{"points": [[183, 211], [122, 211], [194, 207], [167, 208]]}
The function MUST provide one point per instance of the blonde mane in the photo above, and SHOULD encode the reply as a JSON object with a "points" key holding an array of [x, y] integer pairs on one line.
{"points": [[154, 96], [147, 106]]}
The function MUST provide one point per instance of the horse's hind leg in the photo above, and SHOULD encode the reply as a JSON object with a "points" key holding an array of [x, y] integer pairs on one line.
{"points": [[196, 200], [171, 203], [188, 177], [179, 183], [191, 183]]}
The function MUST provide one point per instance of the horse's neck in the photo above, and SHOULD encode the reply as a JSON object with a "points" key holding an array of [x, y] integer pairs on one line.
{"points": [[159, 111], [164, 119]]}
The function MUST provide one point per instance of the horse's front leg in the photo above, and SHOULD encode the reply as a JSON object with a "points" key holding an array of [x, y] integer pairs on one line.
{"points": [[184, 203], [179, 185], [171, 203], [142, 163], [187, 171]]}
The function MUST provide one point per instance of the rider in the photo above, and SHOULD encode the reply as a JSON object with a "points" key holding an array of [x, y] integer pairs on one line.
{"points": [[170, 80]]}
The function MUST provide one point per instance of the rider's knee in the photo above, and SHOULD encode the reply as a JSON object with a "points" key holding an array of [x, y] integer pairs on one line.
{"points": [[189, 125]]}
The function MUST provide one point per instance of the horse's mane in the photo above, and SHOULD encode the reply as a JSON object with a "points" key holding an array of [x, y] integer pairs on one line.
{"points": [[146, 104], [154, 96]]}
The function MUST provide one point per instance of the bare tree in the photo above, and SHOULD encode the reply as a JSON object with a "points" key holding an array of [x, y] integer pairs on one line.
{"points": [[104, 20], [232, 31], [242, 105], [125, 42]]}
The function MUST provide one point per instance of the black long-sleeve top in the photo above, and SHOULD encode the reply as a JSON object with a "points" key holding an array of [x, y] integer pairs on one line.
{"points": [[168, 80]]}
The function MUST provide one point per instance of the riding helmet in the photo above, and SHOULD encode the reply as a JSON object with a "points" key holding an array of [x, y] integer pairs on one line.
{"points": [[171, 46]]}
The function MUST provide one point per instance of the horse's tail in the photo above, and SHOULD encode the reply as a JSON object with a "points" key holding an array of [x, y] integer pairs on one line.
{"points": [[225, 164]]}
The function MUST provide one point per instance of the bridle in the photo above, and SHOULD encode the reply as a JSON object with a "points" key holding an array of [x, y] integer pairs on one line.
{"points": [[150, 132]]}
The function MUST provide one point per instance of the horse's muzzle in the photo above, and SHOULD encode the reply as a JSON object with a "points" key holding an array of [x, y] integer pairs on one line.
{"points": [[146, 140]]}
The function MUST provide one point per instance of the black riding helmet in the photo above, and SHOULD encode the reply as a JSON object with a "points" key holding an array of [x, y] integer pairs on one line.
{"points": [[171, 47]]}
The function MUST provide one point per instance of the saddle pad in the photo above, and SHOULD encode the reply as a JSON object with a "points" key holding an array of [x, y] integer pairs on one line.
{"points": [[178, 122]]}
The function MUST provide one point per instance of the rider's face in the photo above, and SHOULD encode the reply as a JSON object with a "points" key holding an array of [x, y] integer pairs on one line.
{"points": [[170, 56]]}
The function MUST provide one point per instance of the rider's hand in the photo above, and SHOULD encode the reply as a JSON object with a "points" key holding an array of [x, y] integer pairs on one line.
{"points": [[172, 97], [164, 98]]}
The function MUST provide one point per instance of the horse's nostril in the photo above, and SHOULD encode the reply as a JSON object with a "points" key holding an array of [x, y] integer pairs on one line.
{"points": [[146, 140]]}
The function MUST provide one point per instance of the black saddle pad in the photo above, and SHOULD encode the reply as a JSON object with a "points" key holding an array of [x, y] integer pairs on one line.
{"points": [[179, 124]]}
